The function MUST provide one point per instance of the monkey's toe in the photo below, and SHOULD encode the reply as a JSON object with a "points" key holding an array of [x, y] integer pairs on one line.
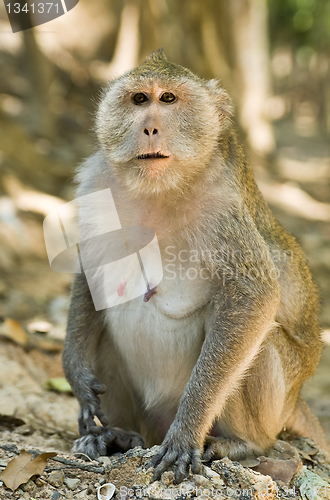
{"points": [[218, 447], [92, 445], [125, 440]]}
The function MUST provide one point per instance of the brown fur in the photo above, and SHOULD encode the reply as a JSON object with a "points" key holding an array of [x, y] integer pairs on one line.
{"points": [[225, 352]]}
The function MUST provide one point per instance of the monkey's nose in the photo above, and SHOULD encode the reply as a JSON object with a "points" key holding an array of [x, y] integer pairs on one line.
{"points": [[150, 131]]}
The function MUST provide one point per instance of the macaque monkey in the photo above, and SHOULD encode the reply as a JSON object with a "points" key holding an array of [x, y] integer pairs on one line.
{"points": [[210, 361]]}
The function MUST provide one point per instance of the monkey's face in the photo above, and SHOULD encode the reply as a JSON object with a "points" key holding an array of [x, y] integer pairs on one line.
{"points": [[160, 133]]}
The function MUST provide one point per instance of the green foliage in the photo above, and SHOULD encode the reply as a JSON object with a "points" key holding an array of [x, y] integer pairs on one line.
{"points": [[300, 23]]}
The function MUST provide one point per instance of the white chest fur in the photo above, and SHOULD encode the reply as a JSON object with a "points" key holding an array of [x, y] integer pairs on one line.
{"points": [[160, 344], [160, 339]]}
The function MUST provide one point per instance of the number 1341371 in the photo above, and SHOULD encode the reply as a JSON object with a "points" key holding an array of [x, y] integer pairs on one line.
{"points": [[41, 7]]}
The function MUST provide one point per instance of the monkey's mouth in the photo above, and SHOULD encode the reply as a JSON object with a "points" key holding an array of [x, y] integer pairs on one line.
{"points": [[148, 156]]}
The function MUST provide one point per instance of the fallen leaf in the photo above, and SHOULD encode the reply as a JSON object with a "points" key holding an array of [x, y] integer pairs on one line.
{"points": [[45, 343], [277, 469], [249, 462], [39, 327], [57, 384], [12, 330], [10, 422], [307, 456], [22, 468]]}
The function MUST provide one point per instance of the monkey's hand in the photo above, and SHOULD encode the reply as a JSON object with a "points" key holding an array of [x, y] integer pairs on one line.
{"points": [[90, 405], [177, 447]]}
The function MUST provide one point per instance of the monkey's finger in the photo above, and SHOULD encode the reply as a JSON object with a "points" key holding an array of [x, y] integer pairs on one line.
{"points": [[138, 441], [182, 467], [95, 429], [109, 435], [82, 428], [102, 418], [208, 454], [157, 458], [99, 388], [168, 460], [85, 421], [123, 441], [196, 464]]}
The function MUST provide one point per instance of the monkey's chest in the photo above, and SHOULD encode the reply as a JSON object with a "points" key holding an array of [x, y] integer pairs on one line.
{"points": [[160, 340]]}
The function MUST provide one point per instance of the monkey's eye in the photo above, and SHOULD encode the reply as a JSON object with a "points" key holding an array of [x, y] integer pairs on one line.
{"points": [[139, 98], [168, 97]]}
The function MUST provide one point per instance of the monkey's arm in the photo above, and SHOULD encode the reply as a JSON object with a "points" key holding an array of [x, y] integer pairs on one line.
{"points": [[83, 331], [240, 316]]}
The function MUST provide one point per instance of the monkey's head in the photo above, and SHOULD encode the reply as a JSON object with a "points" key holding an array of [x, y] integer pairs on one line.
{"points": [[159, 125]]}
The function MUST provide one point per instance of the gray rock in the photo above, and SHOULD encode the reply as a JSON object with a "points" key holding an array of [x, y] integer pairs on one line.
{"points": [[56, 478], [71, 483]]}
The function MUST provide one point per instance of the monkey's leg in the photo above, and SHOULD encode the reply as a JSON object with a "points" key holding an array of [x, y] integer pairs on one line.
{"points": [[84, 328], [304, 423], [268, 401], [118, 403], [255, 413], [240, 318]]}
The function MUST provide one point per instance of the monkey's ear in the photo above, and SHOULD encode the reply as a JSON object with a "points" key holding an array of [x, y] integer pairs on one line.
{"points": [[222, 100], [157, 55]]}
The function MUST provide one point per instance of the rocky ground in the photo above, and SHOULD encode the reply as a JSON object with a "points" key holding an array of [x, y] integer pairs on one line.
{"points": [[42, 419], [295, 470]]}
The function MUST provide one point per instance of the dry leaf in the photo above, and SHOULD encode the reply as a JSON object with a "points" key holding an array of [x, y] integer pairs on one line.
{"points": [[277, 469], [10, 422], [249, 462], [12, 330], [45, 343], [57, 384], [22, 468]]}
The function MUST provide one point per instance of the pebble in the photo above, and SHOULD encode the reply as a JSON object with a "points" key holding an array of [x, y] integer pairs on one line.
{"points": [[56, 495], [71, 483], [29, 485], [56, 479], [104, 460], [211, 474]]}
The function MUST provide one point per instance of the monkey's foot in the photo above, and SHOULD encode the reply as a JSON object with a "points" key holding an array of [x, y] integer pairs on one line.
{"points": [[218, 447], [175, 451], [107, 441]]}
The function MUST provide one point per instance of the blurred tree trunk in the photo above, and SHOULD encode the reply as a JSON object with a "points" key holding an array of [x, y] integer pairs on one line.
{"points": [[39, 72], [250, 39], [127, 45], [215, 38]]}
